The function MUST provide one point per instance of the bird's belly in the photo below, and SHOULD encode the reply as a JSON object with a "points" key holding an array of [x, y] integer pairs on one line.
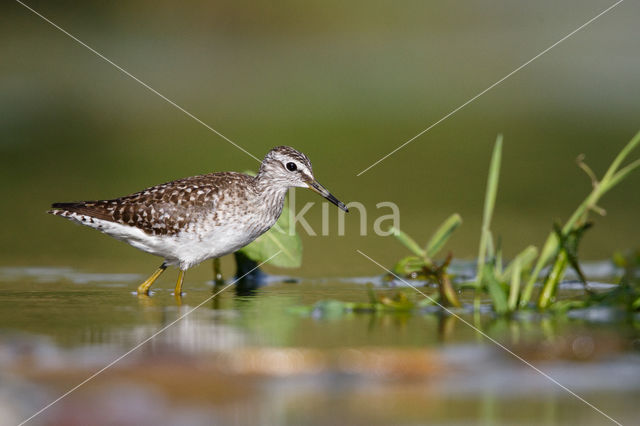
{"points": [[215, 244], [192, 246], [189, 248]]}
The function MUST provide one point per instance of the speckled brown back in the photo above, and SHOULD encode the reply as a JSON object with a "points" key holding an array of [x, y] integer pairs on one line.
{"points": [[165, 209]]}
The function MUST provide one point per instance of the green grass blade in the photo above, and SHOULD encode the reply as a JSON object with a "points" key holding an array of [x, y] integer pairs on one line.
{"points": [[489, 203], [549, 248], [514, 288], [442, 235], [498, 256], [610, 179], [408, 242], [490, 248], [525, 258], [621, 156], [497, 294], [623, 173], [550, 286]]}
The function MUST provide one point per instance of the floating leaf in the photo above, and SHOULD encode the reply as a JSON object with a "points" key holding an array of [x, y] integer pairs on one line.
{"points": [[442, 235], [408, 266], [428, 301], [331, 308], [399, 302]]}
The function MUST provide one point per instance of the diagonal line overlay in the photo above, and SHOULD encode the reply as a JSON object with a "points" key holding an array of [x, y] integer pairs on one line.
{"points": [[127, 73], [491, 87], [494, 341], [163, 329]]}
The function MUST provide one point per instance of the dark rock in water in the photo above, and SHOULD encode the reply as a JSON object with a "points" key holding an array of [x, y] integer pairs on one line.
{"points": [[252, 277]]}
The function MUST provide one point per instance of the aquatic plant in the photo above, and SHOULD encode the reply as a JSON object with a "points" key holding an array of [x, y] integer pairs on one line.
{"points": [[553, 251], [503, 284], [559, 251], [422, 264], [400, 301], [625, 297]]}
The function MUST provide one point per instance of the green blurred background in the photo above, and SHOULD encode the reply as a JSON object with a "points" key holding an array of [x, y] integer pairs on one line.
{"points": [[345, 82]]}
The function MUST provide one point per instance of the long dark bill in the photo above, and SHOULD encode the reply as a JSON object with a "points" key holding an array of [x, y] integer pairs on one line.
{"points": [[316, 187]]}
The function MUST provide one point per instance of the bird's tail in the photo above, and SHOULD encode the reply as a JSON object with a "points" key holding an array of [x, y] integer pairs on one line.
{"points": [[63, 209], [82, 211]]}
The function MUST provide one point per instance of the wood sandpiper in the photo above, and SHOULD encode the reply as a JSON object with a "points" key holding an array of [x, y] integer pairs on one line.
{"points": [[190, 220]]}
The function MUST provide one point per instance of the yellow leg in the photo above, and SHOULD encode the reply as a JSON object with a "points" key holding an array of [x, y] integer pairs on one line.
{"points": [[146, 285], [178, 291]]}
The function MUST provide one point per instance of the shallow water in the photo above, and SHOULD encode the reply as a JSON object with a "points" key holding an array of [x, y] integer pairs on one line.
{"points": [[251, 356], [346, 83]]}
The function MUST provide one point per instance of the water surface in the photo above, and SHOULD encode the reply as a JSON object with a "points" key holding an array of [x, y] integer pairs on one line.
{"points": [[248, 357]]}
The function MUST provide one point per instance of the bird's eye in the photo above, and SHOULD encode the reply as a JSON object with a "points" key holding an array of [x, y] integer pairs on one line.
{"points": [[291, 167]]}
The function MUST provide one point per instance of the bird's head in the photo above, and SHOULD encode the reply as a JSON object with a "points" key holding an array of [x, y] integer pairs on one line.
{"points": [[286, 167]]}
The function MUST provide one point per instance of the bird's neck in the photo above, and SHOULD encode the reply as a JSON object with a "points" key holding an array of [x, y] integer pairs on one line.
{"points": [[271, 193]]}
